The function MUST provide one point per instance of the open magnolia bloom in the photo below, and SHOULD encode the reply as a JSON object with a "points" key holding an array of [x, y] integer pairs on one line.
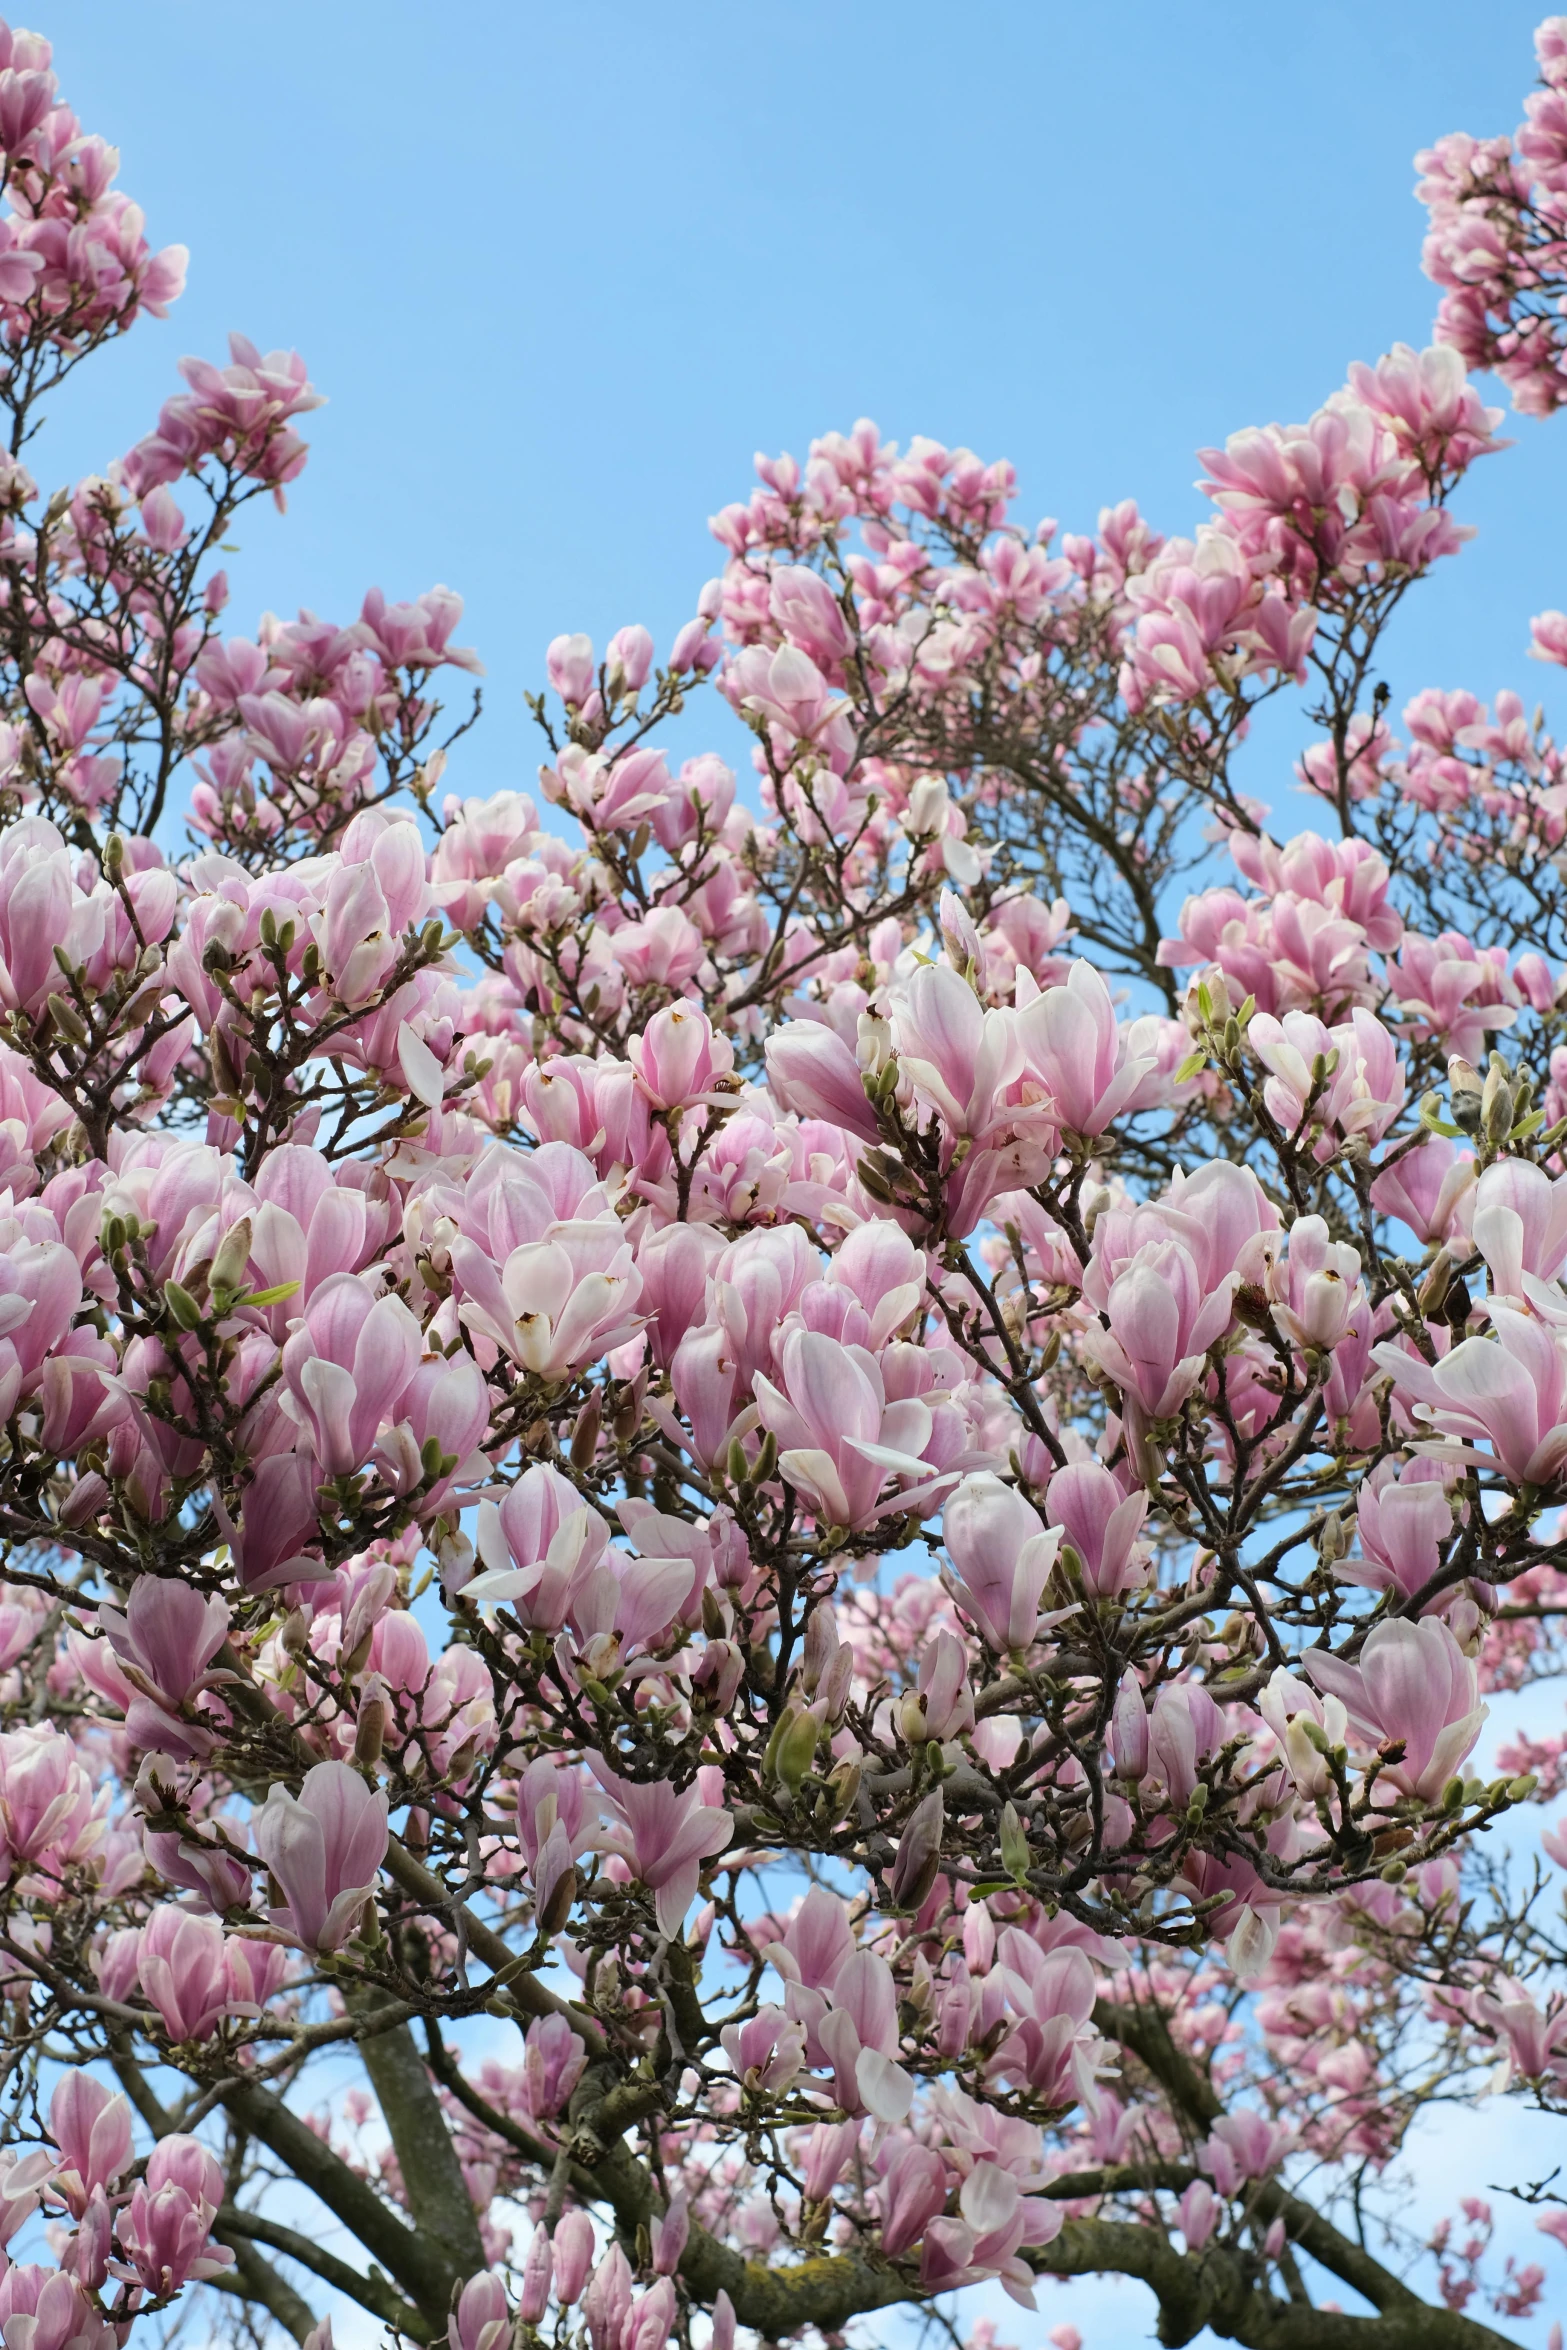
{"points": [[756, 1524]]}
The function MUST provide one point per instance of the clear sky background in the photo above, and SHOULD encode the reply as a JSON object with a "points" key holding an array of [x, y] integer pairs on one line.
{"points": [[562, 269]]}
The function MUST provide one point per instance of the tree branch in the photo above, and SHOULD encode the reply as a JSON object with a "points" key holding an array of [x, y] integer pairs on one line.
{"points": [[255, 2279], [432, 2175], [1146, 2032], [370, 2292], [421, 2265], [1219, 2287]]}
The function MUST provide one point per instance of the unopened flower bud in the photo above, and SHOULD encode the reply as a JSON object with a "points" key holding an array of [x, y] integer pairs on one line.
{"points": [[67, 1019], [557, 1902], [792, 1748], [1496, 1102], [370, 1735], [820, 1647], [1465, 1093], [911, 1718], [585, 1435], [183, 1308], [919, 1853], [843, 1789], [233, 1255], [1016, 1857], [837, 1683], [84, 1500], [1432, 1293], [535, 2295]]}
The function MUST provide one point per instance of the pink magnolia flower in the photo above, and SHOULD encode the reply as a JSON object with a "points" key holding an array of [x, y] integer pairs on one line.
{"points": [[552, 2064], [829, 2149], [308, 1226], [1246, 1918], [166, 2231], [1243, 2145], [855, 2030], [1161, 1325], [607, 2302], [1413, 1683], [1348, 875], [1519, 1225], [914, 2189], [1350, 1076], [1001, 1561], [181, 1964], [1101, 1521], [650, 2322], [702, 794], [1072, 1044], [945, 1699], [1051, 1994], [324, 1847], [573, 2248], [534, 2298], [1292, 1711], [1317, 1289], [49, 1816], [571, 668], [1199, 2214], [608, 793], [957, 1055], [815, 1943], [997, 2220], [1454, 991], [1536, 2037], [447, 1405], [678, 1058], [346, 1369], [1508, 1390], [482, 2317], [36, 901], [1184, 1728], [415, 635], [539, 1549], [666, 949], [767, 2051], [1426, 1188], [40, 1296], [664, 1837], [169, 1634], [812, 1071], [705, 1376], [92, 2128], [840, 1436], [197, 1864], [1403, 1518], [556, 1303], [22, 2177], [45, 2309]]}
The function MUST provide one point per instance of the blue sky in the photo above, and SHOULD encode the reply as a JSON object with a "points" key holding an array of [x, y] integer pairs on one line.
{"points": [[562, 269]]}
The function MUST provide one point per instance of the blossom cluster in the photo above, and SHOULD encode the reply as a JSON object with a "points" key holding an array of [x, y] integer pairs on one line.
{"points": [[834, 1426]]}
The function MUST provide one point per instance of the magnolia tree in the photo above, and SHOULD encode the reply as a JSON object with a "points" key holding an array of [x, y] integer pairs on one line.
{"points": [[785, 1498]]}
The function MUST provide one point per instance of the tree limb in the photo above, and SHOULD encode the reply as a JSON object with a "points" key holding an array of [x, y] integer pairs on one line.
{"points": [[421, 2265], [372, 2292], [255, 2279], [437, 2192]]}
